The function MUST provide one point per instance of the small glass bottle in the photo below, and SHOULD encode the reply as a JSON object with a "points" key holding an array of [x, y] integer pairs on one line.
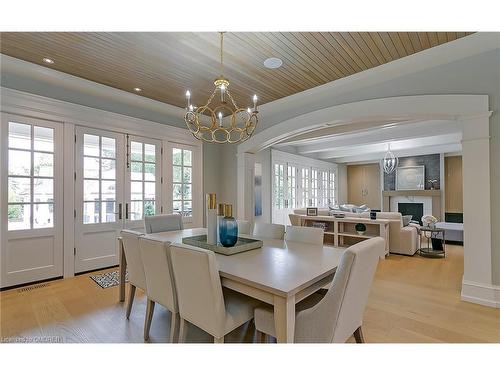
{"points": [[228, 228]]}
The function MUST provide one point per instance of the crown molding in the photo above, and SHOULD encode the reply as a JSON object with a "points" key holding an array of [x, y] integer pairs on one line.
{"points": [[25, 69]]}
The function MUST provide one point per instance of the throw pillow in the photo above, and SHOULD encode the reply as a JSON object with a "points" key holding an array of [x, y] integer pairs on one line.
{"points": [[406, 220]]}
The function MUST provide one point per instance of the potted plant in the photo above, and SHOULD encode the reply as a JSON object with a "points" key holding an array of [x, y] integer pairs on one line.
{"points": [[360, 228]]}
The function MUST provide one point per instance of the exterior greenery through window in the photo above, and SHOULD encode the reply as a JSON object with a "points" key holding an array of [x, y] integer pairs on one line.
{"points": [[182, 185], [30, 177]]}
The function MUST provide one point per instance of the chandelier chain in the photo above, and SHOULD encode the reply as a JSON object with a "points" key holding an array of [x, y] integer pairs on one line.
{"points": [[221, 53]]}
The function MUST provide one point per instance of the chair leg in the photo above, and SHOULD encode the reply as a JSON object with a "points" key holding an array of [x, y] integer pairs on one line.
{"points": [[182, 330], [219, 340], [261, 337], [174, 327], [131, 296], [150, 307], [358, 336]]}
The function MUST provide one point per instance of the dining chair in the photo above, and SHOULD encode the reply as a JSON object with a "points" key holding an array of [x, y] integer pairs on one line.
{"points": [[268, 230], [337, 315], [202, 300], [163, 223], [243, 227], [160, 287], [307, 235], [130, 241]]}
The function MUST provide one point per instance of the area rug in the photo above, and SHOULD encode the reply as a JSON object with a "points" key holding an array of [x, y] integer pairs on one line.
{"points": [[108, 279]]}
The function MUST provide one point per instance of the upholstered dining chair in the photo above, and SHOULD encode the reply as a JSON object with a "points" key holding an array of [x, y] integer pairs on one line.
{"points": [[244, 227], [163, 223], [308, 235], [202, 301], [268, 230], [160, 286], [130, 241], [338, 315]]}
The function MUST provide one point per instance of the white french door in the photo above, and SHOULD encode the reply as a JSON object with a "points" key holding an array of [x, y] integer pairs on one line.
{"points": [[31, 200], [142, 181], [280, 203], [99, 192], [118, 179]]}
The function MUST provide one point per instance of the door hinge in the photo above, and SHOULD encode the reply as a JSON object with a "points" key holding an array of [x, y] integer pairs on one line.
{"points": [[75, 138], [74, 214], [74, 176], [74, 251], [161, 209], [161, 180], [161, 150]]}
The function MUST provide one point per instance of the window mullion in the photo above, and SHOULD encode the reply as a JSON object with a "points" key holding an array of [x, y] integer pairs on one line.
{"points": [[32, 174]]}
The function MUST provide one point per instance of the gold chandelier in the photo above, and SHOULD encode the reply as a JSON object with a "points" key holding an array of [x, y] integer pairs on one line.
{"points": [[221, 122]]}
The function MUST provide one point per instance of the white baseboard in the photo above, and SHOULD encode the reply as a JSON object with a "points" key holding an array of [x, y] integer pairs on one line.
{"points": [[482, 294]]}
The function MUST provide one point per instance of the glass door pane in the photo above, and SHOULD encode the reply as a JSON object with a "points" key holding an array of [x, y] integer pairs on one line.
{"points": [[143, 180]]}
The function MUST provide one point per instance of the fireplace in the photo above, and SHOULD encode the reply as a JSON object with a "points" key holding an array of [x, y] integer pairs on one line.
{"points": [[414, 209]]}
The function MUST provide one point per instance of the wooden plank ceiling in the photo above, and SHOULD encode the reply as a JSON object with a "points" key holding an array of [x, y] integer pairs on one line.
{"points": [[164, 65]]}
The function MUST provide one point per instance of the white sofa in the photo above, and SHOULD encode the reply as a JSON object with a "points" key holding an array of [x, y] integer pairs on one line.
{"points": [[402, 239]]}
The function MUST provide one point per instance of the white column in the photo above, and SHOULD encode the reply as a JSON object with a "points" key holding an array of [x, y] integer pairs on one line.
{"points": [[245, 175], [477, 280]]}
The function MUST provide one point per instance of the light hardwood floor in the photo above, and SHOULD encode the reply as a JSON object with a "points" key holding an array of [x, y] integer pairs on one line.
{"points": [[413, 299]]}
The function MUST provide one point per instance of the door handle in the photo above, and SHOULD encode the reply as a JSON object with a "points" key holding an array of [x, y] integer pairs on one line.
{"points": [[126, 211], [119, 213]]}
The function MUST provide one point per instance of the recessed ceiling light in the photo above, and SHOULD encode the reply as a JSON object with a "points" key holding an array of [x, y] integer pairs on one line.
{"points": [[137, 89], [48, 61], [273, 63]]}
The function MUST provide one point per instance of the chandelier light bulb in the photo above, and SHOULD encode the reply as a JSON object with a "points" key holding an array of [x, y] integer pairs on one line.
{"points": [[191, 107], [188, 94], [188, 97], [254, 103], [249, 110], [220, 118]]}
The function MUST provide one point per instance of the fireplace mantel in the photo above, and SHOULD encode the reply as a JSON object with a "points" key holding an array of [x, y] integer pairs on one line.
{"points": [[434, 194], [411, 193]]}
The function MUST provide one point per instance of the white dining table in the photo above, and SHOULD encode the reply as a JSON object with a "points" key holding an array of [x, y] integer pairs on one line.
{"points": [[281, 273]]}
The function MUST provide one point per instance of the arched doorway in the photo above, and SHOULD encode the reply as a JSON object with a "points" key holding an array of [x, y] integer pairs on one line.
{"points": [[469, 113]]}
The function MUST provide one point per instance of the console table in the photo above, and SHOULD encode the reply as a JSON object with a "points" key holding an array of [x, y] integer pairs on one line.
{"points": [[341, 232]]}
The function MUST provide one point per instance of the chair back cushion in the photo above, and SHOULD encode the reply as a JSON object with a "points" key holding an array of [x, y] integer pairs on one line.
{"points": [[308, 235], [130, 241], [199, 289], [243, 227], [160, 286], [340, 312], [268, 230], [163, 223]]}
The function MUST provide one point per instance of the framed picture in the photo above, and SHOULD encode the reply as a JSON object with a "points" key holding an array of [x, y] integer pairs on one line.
{"points": [[410, 178], [312, 211]]}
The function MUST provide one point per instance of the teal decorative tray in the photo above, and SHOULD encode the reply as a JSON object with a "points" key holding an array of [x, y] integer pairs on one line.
{"points": [[243, 244]]}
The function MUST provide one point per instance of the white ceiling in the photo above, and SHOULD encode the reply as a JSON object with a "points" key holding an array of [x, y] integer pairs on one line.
{"points": [[405, 138]]}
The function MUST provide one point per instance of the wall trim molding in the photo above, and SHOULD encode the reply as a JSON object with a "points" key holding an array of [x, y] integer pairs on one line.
{"points": [[31, 105], [483, 294]]}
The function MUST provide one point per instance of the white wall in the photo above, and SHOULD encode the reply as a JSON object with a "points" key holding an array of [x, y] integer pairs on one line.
{"points": [[264, 158], [342, 182]]}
